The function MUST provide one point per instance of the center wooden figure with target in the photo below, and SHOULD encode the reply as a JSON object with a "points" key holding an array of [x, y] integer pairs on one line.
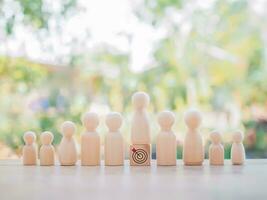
{"points": [[140, 131]]}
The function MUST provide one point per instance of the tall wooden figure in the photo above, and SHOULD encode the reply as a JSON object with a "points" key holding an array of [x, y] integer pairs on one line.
{"points": [[114, 145], [29, 151], [166, 140], [140, 131], [67, 152], [47, 151], [193, 150], [238, 154], [90, 141], [216, 149]]}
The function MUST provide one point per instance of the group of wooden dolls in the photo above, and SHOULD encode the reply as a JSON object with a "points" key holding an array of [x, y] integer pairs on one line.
{"points": [[139, 152]]}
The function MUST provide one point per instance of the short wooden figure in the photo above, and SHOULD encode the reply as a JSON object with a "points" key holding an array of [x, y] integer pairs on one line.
{"points": [[67, 152], [193, 150], [216, 149], [238, 154], [114, 145], [166, 140], [29, 151], [139, 155], [47, 151], [140, 129], [90, 141]]}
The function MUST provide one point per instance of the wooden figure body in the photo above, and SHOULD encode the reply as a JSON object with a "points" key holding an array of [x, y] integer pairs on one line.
{"points": [[166, 140], [140, 129], [139, 155], [238, 154], [193, 150], [47, 151], [114, 145], [90, 141], [216, 149], [67, 152], [29, 151]]}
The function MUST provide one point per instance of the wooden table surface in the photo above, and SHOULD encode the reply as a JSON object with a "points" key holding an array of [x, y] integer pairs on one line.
{"points": [[180, 182]]}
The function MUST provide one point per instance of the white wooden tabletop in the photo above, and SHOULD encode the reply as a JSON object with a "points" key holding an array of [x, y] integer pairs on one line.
{"points": [[180, 182]]}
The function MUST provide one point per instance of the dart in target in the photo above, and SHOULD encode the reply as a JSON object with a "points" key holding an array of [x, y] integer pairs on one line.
{"points": [[140, 155]]}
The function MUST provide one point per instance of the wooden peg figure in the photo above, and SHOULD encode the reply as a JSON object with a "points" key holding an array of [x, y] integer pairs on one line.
{"points": [[238, 154], [47, 151], [193, 150], [29, 152], [90, 141], [216, 149], [166, 140], [114, 145], [67, 152], [140, 129]]}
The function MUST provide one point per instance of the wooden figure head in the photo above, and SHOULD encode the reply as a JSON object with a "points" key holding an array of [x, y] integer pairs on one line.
{"points": [[90, 121], [68, 128], [140, 100], [238, 137], [113, 121], [166, 120], [47, 138], [215, 137], [193, 119], [29, 137]]}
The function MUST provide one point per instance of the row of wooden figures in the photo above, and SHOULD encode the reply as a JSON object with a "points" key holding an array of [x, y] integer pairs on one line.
{"points": [[193, 149]]}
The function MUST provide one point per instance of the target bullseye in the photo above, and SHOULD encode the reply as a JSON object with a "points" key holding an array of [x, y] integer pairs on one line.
{"points": [[139, 156]]}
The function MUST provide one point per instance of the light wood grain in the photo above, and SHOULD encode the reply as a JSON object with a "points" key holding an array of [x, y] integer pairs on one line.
{"points": [[90, 140], [140, 127], [248, 181], [114, 144], [166, 149], [193, 148]]}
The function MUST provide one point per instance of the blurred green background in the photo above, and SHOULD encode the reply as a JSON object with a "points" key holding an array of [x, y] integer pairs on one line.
{"points": [[60, 59]]}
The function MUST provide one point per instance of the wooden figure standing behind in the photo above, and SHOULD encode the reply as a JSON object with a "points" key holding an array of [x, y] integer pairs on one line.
{"points": [[29, 151], [216, 149], [67, 152], [166, 140], [90, 141], [238, 154], [114, 145], [193, 150], [140, 129], [47, 151]]}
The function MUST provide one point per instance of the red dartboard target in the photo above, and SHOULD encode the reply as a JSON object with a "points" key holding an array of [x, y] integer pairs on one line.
{"points": [[139, 156]]}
